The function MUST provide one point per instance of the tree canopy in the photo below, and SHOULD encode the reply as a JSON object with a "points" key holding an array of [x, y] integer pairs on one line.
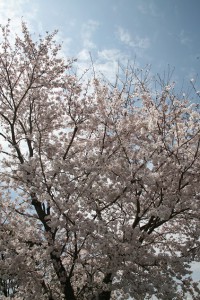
{"points": [[100, 193]]}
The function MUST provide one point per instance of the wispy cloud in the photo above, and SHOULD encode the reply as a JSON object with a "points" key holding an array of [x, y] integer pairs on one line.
{"points": [[108, 61], [87, 31], [16, 10], [184, 38], [136, 42], [84, 55], [111, 55], [150, 8], [104, 62]]}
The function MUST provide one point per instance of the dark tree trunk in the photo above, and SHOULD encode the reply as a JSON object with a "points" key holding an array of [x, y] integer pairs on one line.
{"points": [[61, 273], [105, 295], [68, 291]]}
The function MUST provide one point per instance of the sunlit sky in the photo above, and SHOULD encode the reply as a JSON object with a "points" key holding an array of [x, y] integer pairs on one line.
{"points": [[155, 32]]}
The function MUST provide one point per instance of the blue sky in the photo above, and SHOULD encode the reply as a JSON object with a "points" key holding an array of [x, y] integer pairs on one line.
{"points": [[155, 32]]}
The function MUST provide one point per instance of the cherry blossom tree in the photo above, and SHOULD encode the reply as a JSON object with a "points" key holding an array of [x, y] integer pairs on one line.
{"points": [[100, 194]]}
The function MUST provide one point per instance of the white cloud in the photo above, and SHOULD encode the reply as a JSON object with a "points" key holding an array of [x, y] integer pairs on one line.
{"points": [[64, 41], [105, 62], [16, 11], [87, 31], [107, 69], [108, 61], [83, 55], [111, 55], [125, 36], [137, 42]]}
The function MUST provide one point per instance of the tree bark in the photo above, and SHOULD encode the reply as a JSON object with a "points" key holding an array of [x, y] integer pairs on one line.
{"points": [[68, 291]]}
